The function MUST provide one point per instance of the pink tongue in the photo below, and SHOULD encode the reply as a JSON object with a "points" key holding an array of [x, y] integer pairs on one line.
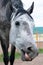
{"points": [[27, 57]]}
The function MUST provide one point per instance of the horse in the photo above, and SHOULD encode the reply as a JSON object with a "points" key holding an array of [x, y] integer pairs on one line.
{"points": [[7, 8], [21, 33]]}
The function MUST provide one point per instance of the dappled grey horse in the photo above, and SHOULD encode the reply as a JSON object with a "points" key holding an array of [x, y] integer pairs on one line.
{"points": [[21, 33], [12, 10]]}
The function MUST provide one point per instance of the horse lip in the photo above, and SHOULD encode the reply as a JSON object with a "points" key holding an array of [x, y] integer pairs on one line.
{"points": [[27, 57]]}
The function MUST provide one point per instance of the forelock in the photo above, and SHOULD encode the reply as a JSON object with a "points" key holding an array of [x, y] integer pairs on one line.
{"points": [[22, 11]]}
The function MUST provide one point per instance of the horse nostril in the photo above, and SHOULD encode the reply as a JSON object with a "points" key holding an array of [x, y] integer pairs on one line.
{"points": [[17, 23]]}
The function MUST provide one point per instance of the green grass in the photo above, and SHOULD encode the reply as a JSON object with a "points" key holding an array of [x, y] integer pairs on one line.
{"points": [[40, 50], [1, 58], [17, 55]]}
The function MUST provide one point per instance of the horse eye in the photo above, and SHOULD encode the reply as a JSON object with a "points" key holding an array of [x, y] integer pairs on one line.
{"points": [[17, 23]]}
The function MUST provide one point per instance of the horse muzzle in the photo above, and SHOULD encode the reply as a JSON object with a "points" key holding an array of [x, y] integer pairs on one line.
{"points": [[29, 55]]}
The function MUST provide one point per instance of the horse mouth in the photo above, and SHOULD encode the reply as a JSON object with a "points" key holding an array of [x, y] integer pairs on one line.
{"points": [[27, 57]]}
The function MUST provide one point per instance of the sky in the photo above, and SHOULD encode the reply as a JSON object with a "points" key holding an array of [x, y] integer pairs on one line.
{"points": [[37, 12]]}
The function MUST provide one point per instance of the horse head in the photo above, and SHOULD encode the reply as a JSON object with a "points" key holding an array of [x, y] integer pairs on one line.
{"points": [[21, 33]]}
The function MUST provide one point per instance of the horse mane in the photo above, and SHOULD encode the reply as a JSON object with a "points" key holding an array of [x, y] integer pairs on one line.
{"points": [[22, 11], [17, 3], [4, 2]]}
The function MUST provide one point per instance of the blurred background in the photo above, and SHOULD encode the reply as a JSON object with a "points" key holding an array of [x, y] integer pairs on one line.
{"points": [[37, 12]]}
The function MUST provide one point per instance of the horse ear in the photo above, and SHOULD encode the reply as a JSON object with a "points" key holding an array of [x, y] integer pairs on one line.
{"points": [[30, 10]]}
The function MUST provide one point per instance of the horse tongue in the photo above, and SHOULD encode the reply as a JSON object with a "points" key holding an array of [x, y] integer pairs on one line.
{"points": [[27, 57]]}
